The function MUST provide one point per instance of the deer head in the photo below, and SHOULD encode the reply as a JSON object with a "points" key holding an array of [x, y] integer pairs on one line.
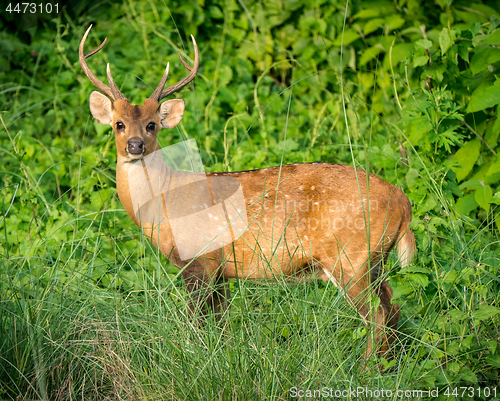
{"points": [[136, 127]]}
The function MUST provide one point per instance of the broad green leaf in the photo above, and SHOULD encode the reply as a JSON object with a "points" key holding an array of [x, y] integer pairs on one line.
{"points": [[466, 205], [420, 279], [215, 12], [225, 75], [437, 353], [483, 196], [495, 199], [345, 38], [483, 56], [485, 312], [463, 51], [450, 277], [417, 130], [398, 53], [423, 44], [368, 13], [492, 345], [491, 136], [495, 166], [411, 178], [493, 360], [456, 314], [466, 158], [419, 61], [394, 22], [369, 54], [482, 10], [372, 25], [475, 27], [400, 291], [446, 39], [472, 183], [493, 38], [482, 98], [467, 375]]}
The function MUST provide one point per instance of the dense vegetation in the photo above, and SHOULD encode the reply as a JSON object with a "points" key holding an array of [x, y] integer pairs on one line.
{"points": [[406, 89]]}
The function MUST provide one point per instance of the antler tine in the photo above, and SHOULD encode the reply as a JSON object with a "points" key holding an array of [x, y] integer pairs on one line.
{"points": [[184, 63], [114, 89], [112, 92], [159, 94]]}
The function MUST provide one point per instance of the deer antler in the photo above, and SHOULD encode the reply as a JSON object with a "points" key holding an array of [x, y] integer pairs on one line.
{"points": [[161, 93], [112, 91]]}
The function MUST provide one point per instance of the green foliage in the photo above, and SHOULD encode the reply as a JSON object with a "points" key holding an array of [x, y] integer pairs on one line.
{"points": [[406, 89]]}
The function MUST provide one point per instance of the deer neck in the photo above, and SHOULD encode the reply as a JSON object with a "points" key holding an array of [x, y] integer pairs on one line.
{"points": [[124, 184]]}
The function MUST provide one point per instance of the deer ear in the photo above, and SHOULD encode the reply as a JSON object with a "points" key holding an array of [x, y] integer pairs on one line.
{"points": [[171, 112], [101, 108]]}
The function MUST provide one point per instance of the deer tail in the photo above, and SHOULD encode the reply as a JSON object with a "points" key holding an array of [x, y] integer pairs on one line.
{"points": [[406, 240]]}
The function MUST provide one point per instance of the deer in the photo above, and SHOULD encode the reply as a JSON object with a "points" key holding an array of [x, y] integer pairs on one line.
{"points": [[336, 221]]}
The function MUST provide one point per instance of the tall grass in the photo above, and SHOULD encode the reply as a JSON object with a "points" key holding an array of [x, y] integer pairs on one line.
{"points": [[69, 338]]}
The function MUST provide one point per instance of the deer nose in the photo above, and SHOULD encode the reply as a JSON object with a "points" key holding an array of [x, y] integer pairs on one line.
{"points": [[135, 146]]}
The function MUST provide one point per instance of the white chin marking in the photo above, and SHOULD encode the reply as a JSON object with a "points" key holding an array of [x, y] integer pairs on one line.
{"points": [[134, 157]]}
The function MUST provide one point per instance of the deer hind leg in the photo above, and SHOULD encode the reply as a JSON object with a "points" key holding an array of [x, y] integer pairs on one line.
{"points": [[219, 299], [207, 293], [387, 319], [351, 277]]}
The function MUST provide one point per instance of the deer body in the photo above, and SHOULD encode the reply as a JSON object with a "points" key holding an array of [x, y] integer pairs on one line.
{"points": [[331, 219]]}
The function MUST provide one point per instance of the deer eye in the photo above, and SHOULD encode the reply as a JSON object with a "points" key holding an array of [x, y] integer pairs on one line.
{"points": [[151, 127], [120, 126]]}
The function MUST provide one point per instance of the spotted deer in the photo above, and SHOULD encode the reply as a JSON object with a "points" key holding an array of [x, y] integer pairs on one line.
{"points": [[334, 220]]}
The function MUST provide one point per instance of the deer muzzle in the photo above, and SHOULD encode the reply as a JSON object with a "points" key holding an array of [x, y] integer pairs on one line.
{"points": [[135, 146]]}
